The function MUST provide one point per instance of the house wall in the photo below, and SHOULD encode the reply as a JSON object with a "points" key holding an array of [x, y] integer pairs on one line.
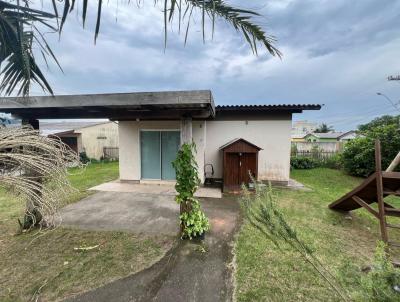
{"points": [[272, 134], [349, 136], [129, 147], [94, 138]]}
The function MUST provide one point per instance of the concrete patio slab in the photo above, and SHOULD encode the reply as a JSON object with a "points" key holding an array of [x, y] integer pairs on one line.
{"points": [[124, 211], [151, 187]]}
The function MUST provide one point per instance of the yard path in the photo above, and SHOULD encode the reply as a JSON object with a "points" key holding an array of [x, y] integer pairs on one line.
{"points": [[191, 271]]}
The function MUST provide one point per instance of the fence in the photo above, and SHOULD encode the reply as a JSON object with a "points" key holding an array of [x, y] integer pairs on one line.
{"points": [[316, 155], [111, 153], [318, 150]]}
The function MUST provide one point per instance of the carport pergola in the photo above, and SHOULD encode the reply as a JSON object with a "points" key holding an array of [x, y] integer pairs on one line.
{"points": [[168, 105]]}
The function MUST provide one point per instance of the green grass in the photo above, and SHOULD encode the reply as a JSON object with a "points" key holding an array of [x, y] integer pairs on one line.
{"points": [[92, 175], [345, 244], [50, 263]]}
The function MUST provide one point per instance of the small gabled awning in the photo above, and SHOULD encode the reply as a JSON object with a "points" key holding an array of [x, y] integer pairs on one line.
{"points": [[239, 145]]}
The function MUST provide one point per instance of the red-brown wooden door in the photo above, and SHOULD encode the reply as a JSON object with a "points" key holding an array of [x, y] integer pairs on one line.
{"points": [[237, 168], [247, 163], [231, 173]]}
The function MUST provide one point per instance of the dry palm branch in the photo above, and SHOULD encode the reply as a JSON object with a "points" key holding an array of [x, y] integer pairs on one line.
{"points": [[34, 168]]}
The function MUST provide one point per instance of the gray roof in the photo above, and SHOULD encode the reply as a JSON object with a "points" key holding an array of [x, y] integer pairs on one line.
{"points": [[294, 108], [327, 135], [54, 127]]}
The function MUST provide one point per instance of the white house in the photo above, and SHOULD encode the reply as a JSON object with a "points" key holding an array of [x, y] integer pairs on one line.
{"points": [[231, 140]]}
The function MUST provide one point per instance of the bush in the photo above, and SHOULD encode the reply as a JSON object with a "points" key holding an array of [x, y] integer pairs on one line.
{"points": [[359, 154], [302, 162], [84, 158], [333, 162]]}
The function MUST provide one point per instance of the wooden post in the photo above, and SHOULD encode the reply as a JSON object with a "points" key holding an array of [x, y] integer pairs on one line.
{"points": [[379, 191], [186, 130]]}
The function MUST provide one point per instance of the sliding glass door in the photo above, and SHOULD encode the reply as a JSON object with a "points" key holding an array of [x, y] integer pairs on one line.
{"points": [[158, 150]]}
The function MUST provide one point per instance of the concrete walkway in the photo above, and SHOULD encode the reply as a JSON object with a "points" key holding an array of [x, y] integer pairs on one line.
{"points": [[153, 187], [191, 271]]}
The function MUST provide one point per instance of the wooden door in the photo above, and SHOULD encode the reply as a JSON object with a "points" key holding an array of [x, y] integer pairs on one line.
{"points": [[247, 163], [231, 169]]}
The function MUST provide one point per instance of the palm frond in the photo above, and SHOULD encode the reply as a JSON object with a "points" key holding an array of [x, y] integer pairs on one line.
{"points": [[17, 36], [242, 20]]}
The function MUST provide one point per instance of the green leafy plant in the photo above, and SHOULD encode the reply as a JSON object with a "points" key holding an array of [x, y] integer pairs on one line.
{"points": [[303, 162], [192, 219], [333, 162], [263, 213], [358, 154], [380, 283]]}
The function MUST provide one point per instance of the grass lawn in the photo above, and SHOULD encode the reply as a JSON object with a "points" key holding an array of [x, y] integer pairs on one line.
{"points": [[344, 244], [49, 266]]}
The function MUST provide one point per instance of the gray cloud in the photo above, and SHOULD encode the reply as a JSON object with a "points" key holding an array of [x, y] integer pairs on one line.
{"points": [[335, 52]]}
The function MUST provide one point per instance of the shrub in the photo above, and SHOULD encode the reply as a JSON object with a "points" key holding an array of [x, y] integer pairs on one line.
{"points": [[333, 162], [192, 220], [302, 162], [83, 157], [359, 154]]}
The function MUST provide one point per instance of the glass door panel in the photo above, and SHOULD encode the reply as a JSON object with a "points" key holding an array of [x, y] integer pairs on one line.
{"points": [[150, 150], [170, 143]]}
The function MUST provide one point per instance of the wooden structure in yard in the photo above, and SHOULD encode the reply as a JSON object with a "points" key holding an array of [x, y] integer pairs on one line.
{"points": [[374, 189], [240, 159]]}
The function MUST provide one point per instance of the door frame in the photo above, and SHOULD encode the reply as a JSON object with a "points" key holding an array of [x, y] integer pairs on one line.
{"points": [[140, 149]]}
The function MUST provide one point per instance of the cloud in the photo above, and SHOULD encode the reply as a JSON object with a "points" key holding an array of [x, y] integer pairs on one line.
{"points": [[335, 52]]}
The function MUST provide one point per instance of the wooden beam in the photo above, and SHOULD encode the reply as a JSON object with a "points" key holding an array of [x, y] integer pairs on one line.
{"points": [[394, 163], [379, 191], [366, 206]]}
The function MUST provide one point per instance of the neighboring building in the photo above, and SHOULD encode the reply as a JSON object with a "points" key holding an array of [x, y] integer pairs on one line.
{"points": [[96, 139], [329, 137], [152, 126], [298, 137], [348, 136], [8, 122], [301, 128]]}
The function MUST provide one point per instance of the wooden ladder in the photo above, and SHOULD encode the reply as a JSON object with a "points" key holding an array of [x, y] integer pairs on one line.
{"points": [[385, 209]]}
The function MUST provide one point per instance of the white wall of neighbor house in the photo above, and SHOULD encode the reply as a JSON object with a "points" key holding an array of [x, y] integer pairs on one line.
{"points": [[272, 134], [94, 138], [129, 146]]}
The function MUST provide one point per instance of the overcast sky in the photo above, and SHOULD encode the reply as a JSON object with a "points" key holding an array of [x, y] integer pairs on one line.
{"points": [[338, 53]]}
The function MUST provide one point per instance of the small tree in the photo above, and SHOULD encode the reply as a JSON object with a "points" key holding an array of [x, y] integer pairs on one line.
{"points": [[324, 128], [34, 168], [193, 221]]}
